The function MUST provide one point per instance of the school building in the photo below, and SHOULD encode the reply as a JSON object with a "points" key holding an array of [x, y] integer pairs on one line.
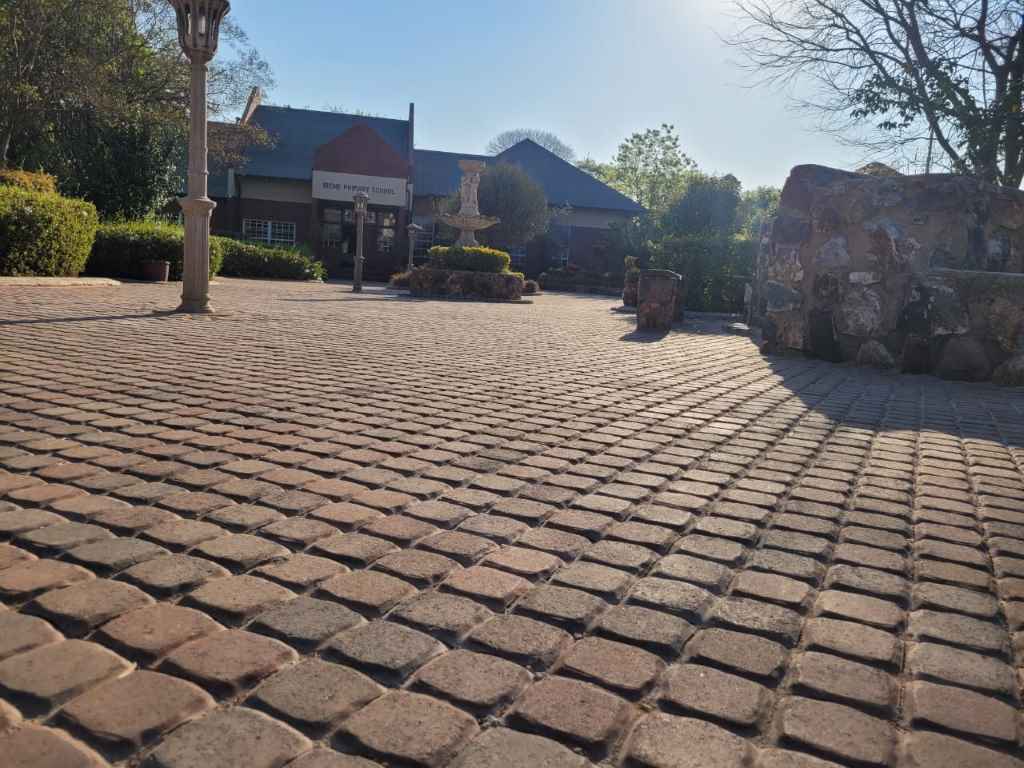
{"points": [[299, 190]]}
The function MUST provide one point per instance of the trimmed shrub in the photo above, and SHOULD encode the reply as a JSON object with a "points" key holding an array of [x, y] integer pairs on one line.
{"points": [[530, 287], [468, 259], [44, 234], [400, 279], [120, 249], [33, 182], [242, 259]]}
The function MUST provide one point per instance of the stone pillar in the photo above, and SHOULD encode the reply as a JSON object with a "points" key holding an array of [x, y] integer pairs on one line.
{"points": [[197, 207], [657, 301]]}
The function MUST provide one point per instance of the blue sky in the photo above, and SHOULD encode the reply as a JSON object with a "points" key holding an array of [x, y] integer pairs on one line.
{"points": [[591, 71]]}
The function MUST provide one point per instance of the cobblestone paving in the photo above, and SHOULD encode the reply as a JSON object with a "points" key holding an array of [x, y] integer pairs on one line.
{"points": [[325, 531]]}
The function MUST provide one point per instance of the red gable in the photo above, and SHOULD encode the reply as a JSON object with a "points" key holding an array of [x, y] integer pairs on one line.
{"points": [[360, 150]]}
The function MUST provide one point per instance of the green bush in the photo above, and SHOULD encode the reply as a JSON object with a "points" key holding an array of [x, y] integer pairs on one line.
{"points": [[121, 247], [243, 259], [44, 234], [469, 259], [715, 268], [34, 182]]}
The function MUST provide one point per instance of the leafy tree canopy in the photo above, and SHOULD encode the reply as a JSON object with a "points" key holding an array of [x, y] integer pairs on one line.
{"points": [[756, 207], [506, 191], [96, 92], [938, 79], [707, 205], [649, 167], [546, 139]]}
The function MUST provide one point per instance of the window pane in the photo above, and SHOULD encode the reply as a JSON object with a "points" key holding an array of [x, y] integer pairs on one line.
{"points": [[332, 215], [282, 233], [385, 239], [256, 229], [330, 234]]}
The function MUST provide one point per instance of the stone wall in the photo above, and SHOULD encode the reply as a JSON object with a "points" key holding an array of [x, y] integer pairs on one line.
{"points": [[457, 284], [919, 272]]}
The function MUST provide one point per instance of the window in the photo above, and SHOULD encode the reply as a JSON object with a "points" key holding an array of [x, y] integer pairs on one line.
{"points": [[330, 235], [563, 256], [386, 219], [518, 257], [350, 216], [269, 232], [385, 239]]}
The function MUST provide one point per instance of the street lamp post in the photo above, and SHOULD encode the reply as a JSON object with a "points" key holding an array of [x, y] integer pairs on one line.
{"points": [[412, 229], [198, 28], [360, 199]]}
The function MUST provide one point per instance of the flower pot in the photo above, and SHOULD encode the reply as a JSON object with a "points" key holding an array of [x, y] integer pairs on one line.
{"points": [[155, 271]]}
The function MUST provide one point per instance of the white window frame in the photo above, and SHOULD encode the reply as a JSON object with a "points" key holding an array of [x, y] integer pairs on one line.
{"points": [[268, 231]]}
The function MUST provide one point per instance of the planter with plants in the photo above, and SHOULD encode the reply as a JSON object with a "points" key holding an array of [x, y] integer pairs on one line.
{"points": [[155, 271], [465, 272]]}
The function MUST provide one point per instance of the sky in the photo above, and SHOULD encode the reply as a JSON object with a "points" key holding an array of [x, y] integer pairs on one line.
{"points": [[590, 71]]}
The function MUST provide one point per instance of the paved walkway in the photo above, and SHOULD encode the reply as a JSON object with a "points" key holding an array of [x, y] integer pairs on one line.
{"points": [[320, 526]]}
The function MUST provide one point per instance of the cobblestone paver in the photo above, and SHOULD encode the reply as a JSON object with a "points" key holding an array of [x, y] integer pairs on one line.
{"points": [[322, 530]]}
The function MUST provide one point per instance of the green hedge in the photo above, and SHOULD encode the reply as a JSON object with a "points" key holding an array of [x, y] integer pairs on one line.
{"points": [[34, 182], [243, 259], [43, 234], [468, 259], [120, 249], [715, 268]]}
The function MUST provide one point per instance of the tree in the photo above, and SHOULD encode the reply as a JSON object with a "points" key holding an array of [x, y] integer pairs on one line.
{"points": [[507, 192], [943, 77], [757, 206], [651, 168], [546, 139], [600, 171], [707, 205], [97, 90], [126, 168]]}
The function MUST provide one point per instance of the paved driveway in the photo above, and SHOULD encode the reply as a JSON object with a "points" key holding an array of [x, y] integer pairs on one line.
{"points": [[319, 525]]}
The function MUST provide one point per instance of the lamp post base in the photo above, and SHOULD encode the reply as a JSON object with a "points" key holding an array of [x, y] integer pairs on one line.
{"points": [[195, 307]]}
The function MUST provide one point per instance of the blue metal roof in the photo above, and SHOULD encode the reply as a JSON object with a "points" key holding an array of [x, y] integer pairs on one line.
{"points": [[298, 132], [438, 174], [563, 182]]}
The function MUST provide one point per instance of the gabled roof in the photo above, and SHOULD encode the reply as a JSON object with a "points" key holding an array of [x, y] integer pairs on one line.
{"points": [[437, 174], [361, 150], [298, 133], [563, 182]]}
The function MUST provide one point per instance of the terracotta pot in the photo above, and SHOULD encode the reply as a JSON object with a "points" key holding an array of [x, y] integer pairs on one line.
{"points": [[155, 271]]}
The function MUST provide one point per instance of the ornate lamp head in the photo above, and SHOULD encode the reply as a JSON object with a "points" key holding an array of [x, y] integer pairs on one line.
{"points": [[360, 199], [199, 25], [414, 228]]}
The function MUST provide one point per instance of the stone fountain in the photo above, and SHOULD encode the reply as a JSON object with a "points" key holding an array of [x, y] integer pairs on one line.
{"points": [[468, 220]]}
